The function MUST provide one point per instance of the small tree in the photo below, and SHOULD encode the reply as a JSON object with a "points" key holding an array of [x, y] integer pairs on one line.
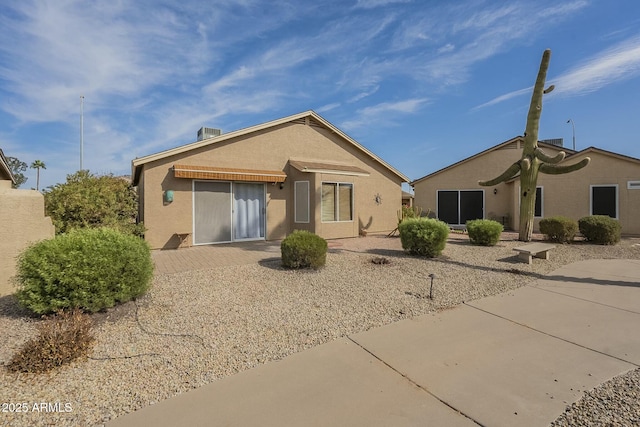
{"points": [[38, 164], [90, 201], [17, 167]]}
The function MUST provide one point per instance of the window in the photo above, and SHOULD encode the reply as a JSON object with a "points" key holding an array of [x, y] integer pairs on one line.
{"points": [[301, 201], [337, 201], [456, 207], [538, 208], [604, 200]]}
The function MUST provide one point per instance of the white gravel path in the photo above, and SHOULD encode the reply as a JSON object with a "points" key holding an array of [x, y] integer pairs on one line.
{"points": [[195, 327]]}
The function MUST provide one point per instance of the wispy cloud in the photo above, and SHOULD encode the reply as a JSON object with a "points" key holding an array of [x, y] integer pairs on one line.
{"points": [[384, 112], [610, 66], [154, 71], [504, 97], [370, 4]]}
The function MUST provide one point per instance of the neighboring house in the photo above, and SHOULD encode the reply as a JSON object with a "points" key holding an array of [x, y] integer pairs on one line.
{"points": [[22, 222], [609, 185], [407, 199], [263, 182]]}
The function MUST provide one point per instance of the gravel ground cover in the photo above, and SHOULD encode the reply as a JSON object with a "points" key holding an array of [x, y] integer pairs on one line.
{"points": [[198, 326]]}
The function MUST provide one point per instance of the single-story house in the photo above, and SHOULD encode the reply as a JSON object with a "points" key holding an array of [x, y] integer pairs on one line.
{"points": [[263, 182], [609, 185], [22, 222], [407, 199]]}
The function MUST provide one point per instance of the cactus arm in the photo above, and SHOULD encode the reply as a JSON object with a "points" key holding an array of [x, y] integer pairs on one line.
{"points": [[535, 108], [557, 170], [545, 158], [506, 175]]}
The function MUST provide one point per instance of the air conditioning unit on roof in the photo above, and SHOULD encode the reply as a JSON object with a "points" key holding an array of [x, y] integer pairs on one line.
{"points": [[206, 133], [556, 141]]}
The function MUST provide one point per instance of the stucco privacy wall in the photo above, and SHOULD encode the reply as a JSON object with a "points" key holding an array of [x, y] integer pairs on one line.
{"points": [[567, 194], [22, 222], [271, 149]]}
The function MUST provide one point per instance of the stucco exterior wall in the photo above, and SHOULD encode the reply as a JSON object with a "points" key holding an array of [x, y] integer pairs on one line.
{"points": [[570, 194], [271, 149], [498, 199], [22, 222], [566, 194]]}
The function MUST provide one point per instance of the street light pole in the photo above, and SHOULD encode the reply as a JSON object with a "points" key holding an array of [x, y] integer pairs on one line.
{"points": [[573, 127], [81, 130]]}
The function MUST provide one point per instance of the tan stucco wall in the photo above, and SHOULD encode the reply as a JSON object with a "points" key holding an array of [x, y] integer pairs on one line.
{"points": [[570, 194], [271, 149], [466, 176], [567, 194], [22, 222]]}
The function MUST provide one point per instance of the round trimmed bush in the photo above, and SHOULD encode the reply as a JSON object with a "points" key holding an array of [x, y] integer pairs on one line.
{"points": [[559, 229], [302, 249], [423, 236], [90, 269], [485, 232], [600, 229]]}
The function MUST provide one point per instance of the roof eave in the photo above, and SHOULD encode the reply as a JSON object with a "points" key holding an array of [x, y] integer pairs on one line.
{"points": [[136, 164]]}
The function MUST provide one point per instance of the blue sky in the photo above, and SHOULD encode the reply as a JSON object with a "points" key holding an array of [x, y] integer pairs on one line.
{"points": [[422, 84]]}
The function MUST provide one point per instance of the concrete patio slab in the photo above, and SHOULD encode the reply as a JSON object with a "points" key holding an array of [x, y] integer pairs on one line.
{"points": [[492, 370], [599, 327], [617, 282], [336, 384]]}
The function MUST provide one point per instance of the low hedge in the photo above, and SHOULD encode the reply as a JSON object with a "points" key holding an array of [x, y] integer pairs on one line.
{"points": [[423, 236], [302, 249], [559, 229], [90, 269], [484, 232], [600, 229]]}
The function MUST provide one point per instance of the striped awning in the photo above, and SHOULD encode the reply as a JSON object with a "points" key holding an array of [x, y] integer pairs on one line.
{"points": [[228, 174]]}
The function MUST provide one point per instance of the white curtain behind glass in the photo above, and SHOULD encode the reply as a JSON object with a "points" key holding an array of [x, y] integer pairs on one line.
{"points": [[248, 211]]}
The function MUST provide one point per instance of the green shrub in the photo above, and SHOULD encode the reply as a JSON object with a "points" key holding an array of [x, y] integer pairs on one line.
{"points": [[89, 201], [485, 232], [423, 236], [559, 229], [91, 269], [600, 229], [61, 338], [302, 249]]}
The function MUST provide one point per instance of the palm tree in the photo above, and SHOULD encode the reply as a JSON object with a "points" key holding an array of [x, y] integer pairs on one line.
{"points": [[38, 164]]}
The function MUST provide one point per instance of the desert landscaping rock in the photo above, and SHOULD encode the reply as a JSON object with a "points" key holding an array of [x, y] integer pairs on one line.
{"points": [[195, 327]]}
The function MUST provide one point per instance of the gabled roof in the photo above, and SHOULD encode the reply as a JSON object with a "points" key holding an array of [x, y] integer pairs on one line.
{"points": [[608, 153], [5, 171], [568, 151], [317, 120]]}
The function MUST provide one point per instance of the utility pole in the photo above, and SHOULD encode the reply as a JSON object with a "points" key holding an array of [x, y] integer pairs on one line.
{"points": [[81, 130]]}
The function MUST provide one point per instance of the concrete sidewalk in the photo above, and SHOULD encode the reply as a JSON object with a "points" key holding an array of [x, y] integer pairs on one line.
{"points": [[513, 359]]}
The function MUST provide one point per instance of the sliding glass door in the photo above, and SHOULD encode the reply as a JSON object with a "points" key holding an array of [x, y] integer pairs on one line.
{"points": [[226, 212]]}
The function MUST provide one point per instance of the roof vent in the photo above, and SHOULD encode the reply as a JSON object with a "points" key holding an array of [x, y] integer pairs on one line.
{"points": [[206, 133], [557, 142]]}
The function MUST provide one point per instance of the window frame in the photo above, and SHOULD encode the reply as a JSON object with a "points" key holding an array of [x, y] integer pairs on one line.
{"points": [[295, 202], [617, 198], [336, 201], [459, 203], [541, 200]]}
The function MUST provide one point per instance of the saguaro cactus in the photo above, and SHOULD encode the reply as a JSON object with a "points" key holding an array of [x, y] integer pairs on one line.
{"points": [[533, 159]]}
